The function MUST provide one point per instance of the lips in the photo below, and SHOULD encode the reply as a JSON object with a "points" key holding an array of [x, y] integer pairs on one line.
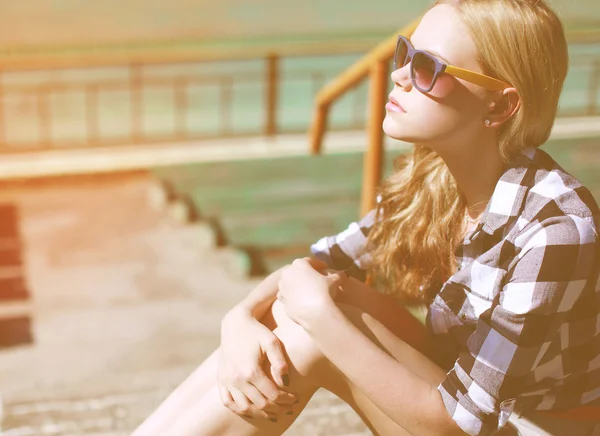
{"points": [[395, 102]]}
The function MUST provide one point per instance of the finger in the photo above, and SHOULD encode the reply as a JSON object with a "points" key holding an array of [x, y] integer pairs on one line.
{"points": [[272, 391], [259, 406], [274, 394], [261, 381], [308, 262], [336, 277], [244, 407], [274, 405], [311, 262], [317, 264], [276, 357], [260, 401], [226, 397]]}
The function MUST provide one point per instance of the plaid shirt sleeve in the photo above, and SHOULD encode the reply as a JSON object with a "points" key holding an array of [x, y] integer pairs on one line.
{"points": [[553, 262], [347, 250]]}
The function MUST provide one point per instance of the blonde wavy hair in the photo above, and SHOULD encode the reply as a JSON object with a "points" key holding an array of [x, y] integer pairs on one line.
{"points": [[420, 215]]}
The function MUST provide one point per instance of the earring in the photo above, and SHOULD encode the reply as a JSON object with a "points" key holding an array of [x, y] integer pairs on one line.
{"points": [[488, 123]]}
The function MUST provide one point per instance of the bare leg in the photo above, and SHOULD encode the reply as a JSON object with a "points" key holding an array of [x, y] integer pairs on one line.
{"points": [[187, 393], [195, 410], [195, 414]]}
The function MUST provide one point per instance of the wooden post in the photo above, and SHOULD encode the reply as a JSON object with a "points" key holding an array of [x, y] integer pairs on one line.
{"points": [[317, 128], [373, 161], [272, 94]]}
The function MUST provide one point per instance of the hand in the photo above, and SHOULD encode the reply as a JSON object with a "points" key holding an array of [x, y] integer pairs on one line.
{"points": [[307, 293], [247, 346]]}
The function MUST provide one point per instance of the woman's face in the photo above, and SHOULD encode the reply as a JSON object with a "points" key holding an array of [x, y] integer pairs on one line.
{"points": [[453, 112]]}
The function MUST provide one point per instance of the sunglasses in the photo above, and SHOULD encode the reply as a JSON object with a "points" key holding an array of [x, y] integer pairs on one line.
{"points": [[426, 68]]}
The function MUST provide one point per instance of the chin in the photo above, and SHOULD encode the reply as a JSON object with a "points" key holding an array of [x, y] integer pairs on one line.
{"points": [[395, 130]]}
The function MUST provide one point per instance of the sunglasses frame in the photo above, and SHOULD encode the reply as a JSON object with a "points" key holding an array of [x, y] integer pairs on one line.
{"points": [[442, 67]]}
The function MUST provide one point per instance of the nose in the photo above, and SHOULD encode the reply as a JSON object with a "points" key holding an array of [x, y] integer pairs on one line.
{"points": [[401, 77]]}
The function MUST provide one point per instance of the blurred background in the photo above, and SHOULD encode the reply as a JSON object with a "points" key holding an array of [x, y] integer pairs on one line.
{"points": [[157, 160]]}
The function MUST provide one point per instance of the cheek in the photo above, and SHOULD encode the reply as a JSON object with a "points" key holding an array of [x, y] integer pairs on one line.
{"points": [[444, 87]]}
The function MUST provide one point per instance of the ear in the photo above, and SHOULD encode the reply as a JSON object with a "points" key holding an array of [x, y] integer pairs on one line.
{"points": [[503, 106]]}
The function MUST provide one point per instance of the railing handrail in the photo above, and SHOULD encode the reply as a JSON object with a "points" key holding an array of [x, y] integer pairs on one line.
{"points": [[349, 78]]}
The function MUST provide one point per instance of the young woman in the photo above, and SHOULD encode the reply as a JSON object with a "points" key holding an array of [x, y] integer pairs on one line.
{"points": [[477, 223]]}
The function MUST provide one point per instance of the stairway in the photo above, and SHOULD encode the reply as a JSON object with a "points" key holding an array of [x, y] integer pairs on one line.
{"points": [[273, 209], [15, 319], [127, 300]]}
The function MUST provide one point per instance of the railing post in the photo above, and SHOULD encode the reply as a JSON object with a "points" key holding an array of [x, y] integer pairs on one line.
{"points": [[317, 128], [593, 91], [91, 113], [226, 84], [44, 116], [180, 108], [373, 161], [272, 94], [136, 85]]}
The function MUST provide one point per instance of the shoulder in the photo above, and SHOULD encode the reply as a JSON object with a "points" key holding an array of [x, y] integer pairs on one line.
{"points": [[556, 197]]}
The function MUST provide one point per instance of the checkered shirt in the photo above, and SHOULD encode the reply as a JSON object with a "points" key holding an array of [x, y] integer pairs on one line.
{"points": [[520, 318]]}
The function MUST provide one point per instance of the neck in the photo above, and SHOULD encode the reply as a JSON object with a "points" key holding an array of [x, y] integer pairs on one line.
{"points": [[476, 169]]}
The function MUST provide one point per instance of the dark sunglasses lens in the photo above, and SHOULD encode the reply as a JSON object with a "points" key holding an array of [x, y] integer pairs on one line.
{"points": [[401, 54], [423, 70]]}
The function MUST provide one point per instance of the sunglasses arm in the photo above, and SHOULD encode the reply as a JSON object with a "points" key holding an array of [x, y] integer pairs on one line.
{"points": [[476, 78]]}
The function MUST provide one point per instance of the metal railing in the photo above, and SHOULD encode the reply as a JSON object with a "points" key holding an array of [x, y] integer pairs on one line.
{"points": [[137, 78], [31, 120]]}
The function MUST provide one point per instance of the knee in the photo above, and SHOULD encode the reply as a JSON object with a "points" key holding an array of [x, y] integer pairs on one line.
{"points": [[303, 354]]}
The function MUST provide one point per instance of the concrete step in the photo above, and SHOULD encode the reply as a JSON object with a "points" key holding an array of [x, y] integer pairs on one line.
{"points": [[126, 300]]}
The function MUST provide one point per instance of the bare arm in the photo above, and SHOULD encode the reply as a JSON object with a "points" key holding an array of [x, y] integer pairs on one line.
{"points": [[404, 390]]}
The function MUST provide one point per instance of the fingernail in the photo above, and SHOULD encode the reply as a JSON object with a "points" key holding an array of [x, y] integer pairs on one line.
{"points": [[289, 413], [286, 380], [272, 420]]}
